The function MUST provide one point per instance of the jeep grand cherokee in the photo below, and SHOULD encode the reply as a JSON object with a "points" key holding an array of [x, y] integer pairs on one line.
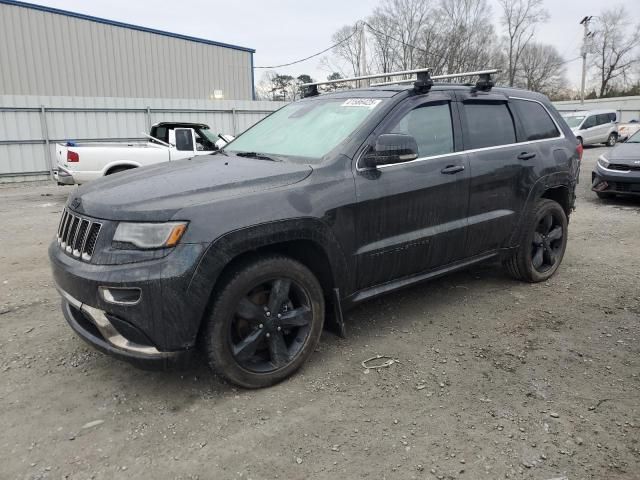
{"points": [[328, 202]]}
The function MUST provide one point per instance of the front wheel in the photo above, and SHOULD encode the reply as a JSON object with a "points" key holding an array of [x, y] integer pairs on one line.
{"points": [[265, 322], [611, 141], [542, 243]]}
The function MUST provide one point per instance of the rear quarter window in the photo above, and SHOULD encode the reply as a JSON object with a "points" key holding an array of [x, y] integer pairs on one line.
{"points": [[536, 122], [488, 125]]}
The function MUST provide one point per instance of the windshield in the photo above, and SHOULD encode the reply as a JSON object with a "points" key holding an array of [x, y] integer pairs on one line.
{"points": [[309, 129], [574, 121], [209, 135], [635, 138]]}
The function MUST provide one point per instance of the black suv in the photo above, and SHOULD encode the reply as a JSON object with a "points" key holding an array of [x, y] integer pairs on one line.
{"points": [[329, 201]]}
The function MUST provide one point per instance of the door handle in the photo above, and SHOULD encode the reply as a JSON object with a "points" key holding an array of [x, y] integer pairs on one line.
{"points": [[526, 156], [451, 169]]}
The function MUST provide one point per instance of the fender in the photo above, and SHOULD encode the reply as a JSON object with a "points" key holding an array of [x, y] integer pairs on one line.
{"points": [[235, 243], [553, 180]]}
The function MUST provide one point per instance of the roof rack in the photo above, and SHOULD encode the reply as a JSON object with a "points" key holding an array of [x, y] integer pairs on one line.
{"points": [[312, 88], [422, 83]]}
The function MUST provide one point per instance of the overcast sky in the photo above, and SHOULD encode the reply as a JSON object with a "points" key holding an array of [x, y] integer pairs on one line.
{"points": [[286, 30]]}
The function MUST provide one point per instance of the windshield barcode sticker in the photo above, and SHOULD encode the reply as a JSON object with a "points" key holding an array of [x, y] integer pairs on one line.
{"points": [[361, 102]]}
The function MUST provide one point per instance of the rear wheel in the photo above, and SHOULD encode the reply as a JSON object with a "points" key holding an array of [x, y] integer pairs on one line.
{"points": [[542, 243], [265, 322], [611, 141]]}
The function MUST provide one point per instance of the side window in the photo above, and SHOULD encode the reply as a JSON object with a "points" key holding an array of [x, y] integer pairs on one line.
{"points": [[431, 126], [162, 134], [589, 122], [488, 125], [613, 117], [536, 122], [184, 139], [602, 119]]}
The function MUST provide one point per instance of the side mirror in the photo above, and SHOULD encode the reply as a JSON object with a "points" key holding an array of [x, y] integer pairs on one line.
{"points": [[392, 148]]}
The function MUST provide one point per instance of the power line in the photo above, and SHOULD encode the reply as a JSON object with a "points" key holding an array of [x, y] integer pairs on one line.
{"points": [[355, 30]]}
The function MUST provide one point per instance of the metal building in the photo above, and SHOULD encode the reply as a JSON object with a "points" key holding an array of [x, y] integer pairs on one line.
{"points": [[46, 51]]}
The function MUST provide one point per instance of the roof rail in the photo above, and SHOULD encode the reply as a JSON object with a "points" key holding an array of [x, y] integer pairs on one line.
{"points": [[422, 83], [485, 83], [311, 89]]}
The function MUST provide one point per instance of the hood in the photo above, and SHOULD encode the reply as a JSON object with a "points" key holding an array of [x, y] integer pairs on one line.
{"points": [[625, 154], [158, 192]]}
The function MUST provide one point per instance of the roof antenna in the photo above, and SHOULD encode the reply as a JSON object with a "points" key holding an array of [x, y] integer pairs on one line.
{"points": [[484, 83], [423, 83]]}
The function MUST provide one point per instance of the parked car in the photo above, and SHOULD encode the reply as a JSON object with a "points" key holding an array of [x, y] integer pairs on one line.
{"points": [[328, 202], [625, 130], [79, 163], [594, 126], [617, 172]]}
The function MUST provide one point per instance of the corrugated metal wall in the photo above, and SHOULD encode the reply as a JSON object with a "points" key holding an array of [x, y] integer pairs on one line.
{"points": [[628, 108], [44, 53], [31, 125]]}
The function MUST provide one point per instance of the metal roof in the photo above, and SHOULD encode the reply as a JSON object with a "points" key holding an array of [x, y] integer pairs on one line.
{"points": [[105, 21]]}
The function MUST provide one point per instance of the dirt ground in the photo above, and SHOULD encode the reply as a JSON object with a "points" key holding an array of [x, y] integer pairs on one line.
{"points": [[495, 378]]}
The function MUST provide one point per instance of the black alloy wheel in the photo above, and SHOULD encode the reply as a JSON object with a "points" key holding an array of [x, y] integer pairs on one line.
{"points": [[270, 326], [542, 243], [547, 243], [265, 321]]}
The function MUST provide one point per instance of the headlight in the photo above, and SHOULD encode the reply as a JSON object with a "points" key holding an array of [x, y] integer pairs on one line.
{"points": [[604, 163], [150, 235]]}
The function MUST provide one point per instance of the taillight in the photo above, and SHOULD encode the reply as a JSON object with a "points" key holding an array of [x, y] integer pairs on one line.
{"points": [[579, 150], [72, 156]]}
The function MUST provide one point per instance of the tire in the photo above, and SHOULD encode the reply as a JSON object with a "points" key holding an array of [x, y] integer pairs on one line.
{"points": [[117, 170], [605, 195], [244, 341], [611, 141], [539, 240]]}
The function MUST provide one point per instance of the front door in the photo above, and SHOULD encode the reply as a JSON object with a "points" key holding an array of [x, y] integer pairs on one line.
{"points": [[411, 217]]}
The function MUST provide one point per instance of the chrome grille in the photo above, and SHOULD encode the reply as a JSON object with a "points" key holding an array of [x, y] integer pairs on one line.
{"points": [[77, 235]]}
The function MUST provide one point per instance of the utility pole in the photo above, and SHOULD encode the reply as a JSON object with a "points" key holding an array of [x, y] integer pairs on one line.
{"points": [[363, 55], [585, 23]]}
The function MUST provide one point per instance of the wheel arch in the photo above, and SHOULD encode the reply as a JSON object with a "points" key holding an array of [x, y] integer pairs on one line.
{"points": [[119, 164], [308, 241], [556, 187]]}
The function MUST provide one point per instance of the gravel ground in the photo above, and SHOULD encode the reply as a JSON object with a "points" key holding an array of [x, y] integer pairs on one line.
{"points": [[494, 379]]}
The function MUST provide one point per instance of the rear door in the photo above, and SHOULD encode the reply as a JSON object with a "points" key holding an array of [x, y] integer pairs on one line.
{"points": [[411, 217], [498, 170]]}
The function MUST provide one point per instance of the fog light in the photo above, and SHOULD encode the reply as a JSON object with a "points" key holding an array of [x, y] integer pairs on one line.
{"points": [[120, 296]]}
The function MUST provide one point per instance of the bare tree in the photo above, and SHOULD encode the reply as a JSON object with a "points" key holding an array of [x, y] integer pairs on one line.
{"points": [[615, 45], [349, 47], [384, 49], [410, 17], [467, 36], [541, 69], [520, 18]]}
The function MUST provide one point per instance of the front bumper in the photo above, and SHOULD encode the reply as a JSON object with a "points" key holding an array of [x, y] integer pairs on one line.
{"points": [[159, 329], [93, 326], [615, 182]]}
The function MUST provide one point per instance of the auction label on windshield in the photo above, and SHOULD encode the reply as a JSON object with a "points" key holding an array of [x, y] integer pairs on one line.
{"points": [[361, 102]]}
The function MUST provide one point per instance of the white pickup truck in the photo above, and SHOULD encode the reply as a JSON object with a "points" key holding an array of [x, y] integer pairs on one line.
{"points": [[82, 162]]}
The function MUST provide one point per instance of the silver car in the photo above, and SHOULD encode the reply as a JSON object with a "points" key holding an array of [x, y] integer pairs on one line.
{"points": [[594, 126]]}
